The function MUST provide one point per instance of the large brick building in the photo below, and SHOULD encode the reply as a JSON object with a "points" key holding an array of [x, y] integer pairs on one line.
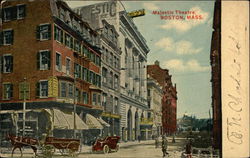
{"points": [[169, 99], [50, 59]]}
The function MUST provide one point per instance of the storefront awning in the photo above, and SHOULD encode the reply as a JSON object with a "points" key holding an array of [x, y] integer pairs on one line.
{"points": [[65, 120], [104, 123], [92, 122]]}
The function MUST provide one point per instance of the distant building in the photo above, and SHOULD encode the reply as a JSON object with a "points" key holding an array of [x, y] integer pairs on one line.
{"points": [[133, 86], [50, 59], [154, 91], [215, 60], [169, 99]]}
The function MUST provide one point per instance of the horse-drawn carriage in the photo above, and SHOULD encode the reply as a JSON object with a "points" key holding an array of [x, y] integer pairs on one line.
{"points": [[45, 147]]}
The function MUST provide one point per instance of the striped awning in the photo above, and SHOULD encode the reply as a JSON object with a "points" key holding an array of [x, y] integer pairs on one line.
{"points": [[65, 120], [104, 123], [92, 122]]}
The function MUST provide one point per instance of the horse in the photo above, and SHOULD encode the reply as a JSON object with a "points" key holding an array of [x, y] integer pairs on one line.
{"points": [[18, 142]]}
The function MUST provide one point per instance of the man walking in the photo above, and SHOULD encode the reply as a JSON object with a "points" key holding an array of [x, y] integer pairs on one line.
{"points": [[164, 146]]}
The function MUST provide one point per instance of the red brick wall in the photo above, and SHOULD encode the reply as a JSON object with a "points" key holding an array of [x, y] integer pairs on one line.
{"points": [[26, 46], [168, 110]]}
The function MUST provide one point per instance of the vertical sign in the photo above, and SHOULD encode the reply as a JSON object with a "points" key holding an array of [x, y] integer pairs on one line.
{"points": [[53, 87]]}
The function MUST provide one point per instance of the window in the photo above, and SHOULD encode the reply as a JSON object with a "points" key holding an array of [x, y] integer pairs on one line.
{"points": [[20, 11], [98, 99], [111, 80], [91, 77], [71, 43], [98, 61], [58, 62], [43, 89], [115, 60], [77, 47], [6, 37], [149, 104], [24, 90], [58, 34], [68, 66], [98, 80], [13, 13], [63, 89], [104, 101], [94, 99], [148, 92], [85, 97], [43, 32], [116, 82], [43, 60], [8, 13], [7, 63], [111, 102], [71, 94], [7, 91], [77, 71], [104, 75], [116, 110], [67, 40], [107, 56], [84, 74], [111, 59]]}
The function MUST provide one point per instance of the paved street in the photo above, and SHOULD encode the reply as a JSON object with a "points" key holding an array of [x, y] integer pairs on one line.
{"points": [[129, 149]]}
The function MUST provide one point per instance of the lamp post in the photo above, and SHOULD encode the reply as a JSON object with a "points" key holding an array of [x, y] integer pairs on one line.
{"points": [[24, 105], [74, 105]]}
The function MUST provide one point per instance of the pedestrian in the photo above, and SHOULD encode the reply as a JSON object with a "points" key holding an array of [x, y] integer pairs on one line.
{"points": [[156, 142], [189, 149], [164, 146], [139, 138]]}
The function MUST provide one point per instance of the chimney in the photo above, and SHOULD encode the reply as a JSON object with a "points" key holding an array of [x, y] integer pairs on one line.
{"points": [[157, 63]]}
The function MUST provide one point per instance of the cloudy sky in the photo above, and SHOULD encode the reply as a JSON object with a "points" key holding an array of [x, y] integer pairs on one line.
{"points": [[182, 46]]}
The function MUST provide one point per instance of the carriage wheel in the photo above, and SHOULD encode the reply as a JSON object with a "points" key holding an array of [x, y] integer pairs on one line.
{"points": [[17, 153], [73, 148], [106, 149], [48, 150]]}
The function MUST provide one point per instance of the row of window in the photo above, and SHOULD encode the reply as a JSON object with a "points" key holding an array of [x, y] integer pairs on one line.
{"points": [[112, 101], [24, 90], [110, 58], [66, 91], [87, 75], [110, 79], [70, 42], [13, 13]]}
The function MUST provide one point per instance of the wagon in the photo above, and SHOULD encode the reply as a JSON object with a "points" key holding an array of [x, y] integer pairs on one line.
{"points": [[106, 145], [47, 146], [64, 145]]}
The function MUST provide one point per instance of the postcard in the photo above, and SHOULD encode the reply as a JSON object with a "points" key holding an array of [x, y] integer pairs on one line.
{"points": [[124, 79]]}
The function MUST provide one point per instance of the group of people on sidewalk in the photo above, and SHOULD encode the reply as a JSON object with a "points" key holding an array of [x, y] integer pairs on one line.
{"points": [[164, 145]]}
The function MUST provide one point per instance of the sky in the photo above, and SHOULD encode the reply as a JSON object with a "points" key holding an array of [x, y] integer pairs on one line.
{"points": [[182, 46]]}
